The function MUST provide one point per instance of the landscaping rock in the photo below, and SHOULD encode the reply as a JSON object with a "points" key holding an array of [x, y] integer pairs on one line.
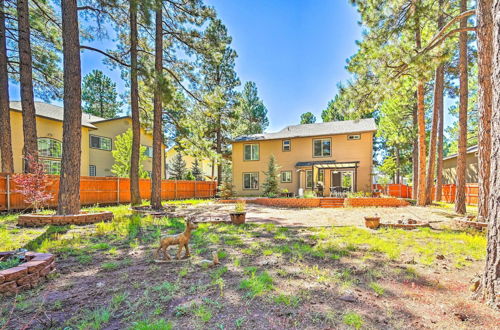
{"points": [[14, 273]]}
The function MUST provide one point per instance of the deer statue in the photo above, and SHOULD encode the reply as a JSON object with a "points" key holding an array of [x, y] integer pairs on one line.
{"points": [[181, 239]]}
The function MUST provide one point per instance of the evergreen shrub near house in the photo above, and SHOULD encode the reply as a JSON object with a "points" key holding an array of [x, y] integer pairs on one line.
{"points": [[271, 188]]}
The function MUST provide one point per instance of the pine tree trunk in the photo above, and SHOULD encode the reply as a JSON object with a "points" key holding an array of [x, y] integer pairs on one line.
{"points": [[69, 186], [135, 196], [462, 117], [491, 277], [26, 82], [485, 53], [157, 112], [440, 154], [5, 131], [219, 152], [438, 104], [415, 157]]}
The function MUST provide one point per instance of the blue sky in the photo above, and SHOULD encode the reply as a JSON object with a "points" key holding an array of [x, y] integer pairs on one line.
{"points": [[294, 50]]}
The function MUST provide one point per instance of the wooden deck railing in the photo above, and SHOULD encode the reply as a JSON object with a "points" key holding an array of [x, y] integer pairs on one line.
{"points": [[108, 190]]}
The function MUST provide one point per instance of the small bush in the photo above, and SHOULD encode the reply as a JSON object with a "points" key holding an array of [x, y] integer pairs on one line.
{"points": [[353, 319]]}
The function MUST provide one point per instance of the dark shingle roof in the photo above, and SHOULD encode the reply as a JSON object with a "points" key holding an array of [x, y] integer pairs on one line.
{"points": [[328, 128], [470, 150]]}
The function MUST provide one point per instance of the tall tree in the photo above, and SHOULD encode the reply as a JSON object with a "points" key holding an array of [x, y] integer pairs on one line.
{"points": [[135, 195], [122, 153], [253, 112], [491, 276], [485, 55], [99, 95], [5, 131], [196, 170], [437, 110], [307, 118], [177, 167], [462, 121], [157, 110], [69, 186], [26, 82]]}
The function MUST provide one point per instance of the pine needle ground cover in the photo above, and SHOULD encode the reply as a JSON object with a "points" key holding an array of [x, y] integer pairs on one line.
{"points": [[268, 277]]}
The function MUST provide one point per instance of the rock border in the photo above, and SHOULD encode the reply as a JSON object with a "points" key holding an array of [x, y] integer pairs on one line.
{"points": [[404, 226], [38, 220], [146, 210], [471, 224], [28, 274]]}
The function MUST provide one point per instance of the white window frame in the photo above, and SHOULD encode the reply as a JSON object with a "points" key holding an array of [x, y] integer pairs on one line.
{"points": [[254, 151], [284, 146], [92, 170], [322, 149], [101, 138], [354, 137], [312, 179], [282, 176], [252, 175]]}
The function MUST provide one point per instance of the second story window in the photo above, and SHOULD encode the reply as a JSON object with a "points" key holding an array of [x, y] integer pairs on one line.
{"points": [[322, 147], [287, 145], [251, 152], [100, 142], [149, 151], [48, 147]]}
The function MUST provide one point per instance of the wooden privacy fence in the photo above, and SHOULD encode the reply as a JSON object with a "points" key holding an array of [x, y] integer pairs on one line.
{"points": [[449, 192], [108, 190]]}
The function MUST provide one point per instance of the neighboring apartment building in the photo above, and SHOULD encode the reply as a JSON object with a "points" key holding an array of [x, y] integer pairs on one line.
{"points": [[205, 164], [471, 171], [338, 154], [98, 136]]}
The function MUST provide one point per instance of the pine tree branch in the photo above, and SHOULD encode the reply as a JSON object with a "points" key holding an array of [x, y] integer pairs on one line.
{"points": [[116, 59], [47, 16], [179, 82]]}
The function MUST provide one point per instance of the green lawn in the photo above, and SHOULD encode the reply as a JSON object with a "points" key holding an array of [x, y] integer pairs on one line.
{"points": [[265, 270]]}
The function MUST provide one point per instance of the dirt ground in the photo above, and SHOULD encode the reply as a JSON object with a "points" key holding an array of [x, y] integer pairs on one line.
{"points": [[319, 217], [273, 274]]}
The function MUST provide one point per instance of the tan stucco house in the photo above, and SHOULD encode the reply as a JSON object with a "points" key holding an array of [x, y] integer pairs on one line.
{"points": [[471, 171], [98, 136], [338, 155]]}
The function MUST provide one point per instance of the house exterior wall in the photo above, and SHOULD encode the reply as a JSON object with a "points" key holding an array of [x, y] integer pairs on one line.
{"points": [[49, 128], [103, 159], [205, 164], [342, 150], [450, 169]]}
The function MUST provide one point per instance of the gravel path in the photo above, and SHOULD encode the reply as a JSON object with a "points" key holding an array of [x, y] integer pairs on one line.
{"points": [[318, 217]]}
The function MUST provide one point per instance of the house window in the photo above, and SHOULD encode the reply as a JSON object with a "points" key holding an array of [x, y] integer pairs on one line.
{"points": [[322, 147], [287, 145], [92, 170], [354, 137], [309, 179], [286, 176], [49, 148], [100, 142], [148, 151], [51, 166], [251, 152], [321, 175], [251, 180]]}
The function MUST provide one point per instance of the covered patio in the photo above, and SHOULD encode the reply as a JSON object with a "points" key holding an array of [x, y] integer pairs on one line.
{"points": [[328, 178]]}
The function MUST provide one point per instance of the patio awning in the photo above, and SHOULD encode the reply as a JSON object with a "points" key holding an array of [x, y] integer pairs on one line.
{"points": [[328, 164]]}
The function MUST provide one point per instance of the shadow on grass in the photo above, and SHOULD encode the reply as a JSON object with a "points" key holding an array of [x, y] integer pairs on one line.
{"points": [[51, 233]]}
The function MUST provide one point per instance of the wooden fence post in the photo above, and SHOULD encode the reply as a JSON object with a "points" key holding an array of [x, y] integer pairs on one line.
{"points": [[195, 188], [175, 189], [118, 191], [8, 192]]}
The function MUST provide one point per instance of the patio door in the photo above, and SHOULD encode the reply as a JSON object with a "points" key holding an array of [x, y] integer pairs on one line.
{"points": [[342, 179]]}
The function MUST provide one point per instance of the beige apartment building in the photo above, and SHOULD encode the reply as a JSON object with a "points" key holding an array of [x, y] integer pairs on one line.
{"points": [[337, 156], [98, 137]]}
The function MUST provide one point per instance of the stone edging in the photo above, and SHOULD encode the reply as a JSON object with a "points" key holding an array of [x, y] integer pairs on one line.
{"points": [[27, 275], [404, 226], [37, 220], [377, 202], [473, 224]]}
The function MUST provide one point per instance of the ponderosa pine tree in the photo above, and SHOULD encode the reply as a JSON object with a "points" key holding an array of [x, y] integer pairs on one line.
{"points": [[462, 121], [253, 112], [5, 131], [196, 170], [157, 110], [177, 167], [491, 277], [307, 118], [99, 95], [30, 148], [485, 55], [69, 186]]}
